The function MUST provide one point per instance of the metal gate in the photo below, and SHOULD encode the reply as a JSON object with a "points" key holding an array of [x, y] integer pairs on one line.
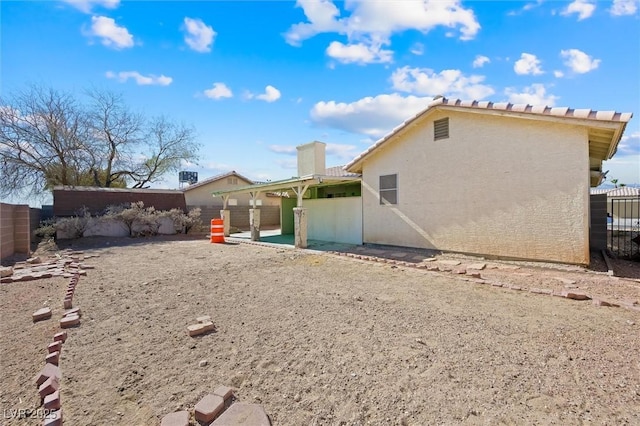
{"points": [[623, 227]]}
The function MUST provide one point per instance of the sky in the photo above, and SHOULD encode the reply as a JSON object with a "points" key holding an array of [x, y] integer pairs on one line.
{"points": [[257, 78]]}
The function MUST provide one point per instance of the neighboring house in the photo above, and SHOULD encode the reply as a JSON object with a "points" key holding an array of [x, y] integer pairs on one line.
{"points": [[485, 178], [199, 195]]}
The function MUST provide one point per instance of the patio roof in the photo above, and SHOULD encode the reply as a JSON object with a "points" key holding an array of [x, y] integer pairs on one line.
{"points": [[286, 184]]}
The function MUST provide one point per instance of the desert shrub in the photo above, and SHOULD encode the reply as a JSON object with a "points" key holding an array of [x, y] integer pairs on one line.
{"points": [[178, 218], [151, 220], [46, 230], [183, 223], [75, 226], [127, 214], [193, 221]]}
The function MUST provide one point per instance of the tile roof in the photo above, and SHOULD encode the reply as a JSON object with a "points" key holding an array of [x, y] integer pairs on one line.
{"points": [[339, 171], [539, 110], [536, 109], [217, 177], [625, 191]]}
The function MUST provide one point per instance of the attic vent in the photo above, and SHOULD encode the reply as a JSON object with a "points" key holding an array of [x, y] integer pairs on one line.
{"points": [[441, 129]]}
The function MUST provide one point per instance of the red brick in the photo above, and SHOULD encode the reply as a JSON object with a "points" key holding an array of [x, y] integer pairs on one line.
{"points": [[49, 370], [224, 391], [54, 347], [49, 386], [208, 408], [179, 418], [69, 321], [74, 311], [67, 303], [53, 419], [60, 337], [52, 401], [53, 358], [243, 414], [41, 314]]}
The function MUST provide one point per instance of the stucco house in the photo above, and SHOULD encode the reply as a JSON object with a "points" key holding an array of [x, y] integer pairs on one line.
{"points": [[486, 178], [199, 195]]}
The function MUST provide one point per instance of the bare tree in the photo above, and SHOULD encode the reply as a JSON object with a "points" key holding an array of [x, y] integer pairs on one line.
{"points": [[116, 133], [41, 141], [49, 138], [167, 144]]}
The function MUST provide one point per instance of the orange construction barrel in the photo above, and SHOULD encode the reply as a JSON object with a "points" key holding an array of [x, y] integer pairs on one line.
{"points": [[217, 231]]}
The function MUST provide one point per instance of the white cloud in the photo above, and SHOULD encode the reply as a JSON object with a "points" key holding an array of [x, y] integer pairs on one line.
{"points": [[629, 144], [87, 5], [198, 35], [583, 8], [141, 80], [371, 116], [342, 152], [527, 64], [578, 61], [283, 149], [558, 74], [370, 24], [536, 94], [322, 16], [218, 91], [624, 7], [287, 163], [480, 61], [527, 7], [359, 53], [417, 49], [271, 94], [449, 83], [110, 33]]}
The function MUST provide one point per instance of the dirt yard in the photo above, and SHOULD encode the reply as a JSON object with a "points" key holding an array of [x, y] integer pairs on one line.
{"points": [[320, 339]]}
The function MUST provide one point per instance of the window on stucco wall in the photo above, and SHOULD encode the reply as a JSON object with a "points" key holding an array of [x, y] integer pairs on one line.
{"points": [[389, 189]]}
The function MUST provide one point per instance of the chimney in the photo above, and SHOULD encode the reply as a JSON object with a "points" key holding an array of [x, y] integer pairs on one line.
{"points": [[311, 159]]}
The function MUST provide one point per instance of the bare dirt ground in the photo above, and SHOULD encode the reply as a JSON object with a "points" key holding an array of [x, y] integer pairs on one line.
{"points": [[322, 339]]}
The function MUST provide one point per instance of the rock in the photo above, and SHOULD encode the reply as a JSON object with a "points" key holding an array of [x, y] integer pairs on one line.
{"points": [[180, 418], [477, 266], [243, 414], [203, 363], [449, 262], [575, 296], [6, 271], [34, 260]]}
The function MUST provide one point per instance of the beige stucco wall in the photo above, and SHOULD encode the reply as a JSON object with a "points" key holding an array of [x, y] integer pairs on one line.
{"points": [[500, 186], [201, 195], [334, 219]]}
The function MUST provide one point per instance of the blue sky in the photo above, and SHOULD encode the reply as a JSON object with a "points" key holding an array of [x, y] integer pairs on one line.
{"points": [[258, 78]]}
